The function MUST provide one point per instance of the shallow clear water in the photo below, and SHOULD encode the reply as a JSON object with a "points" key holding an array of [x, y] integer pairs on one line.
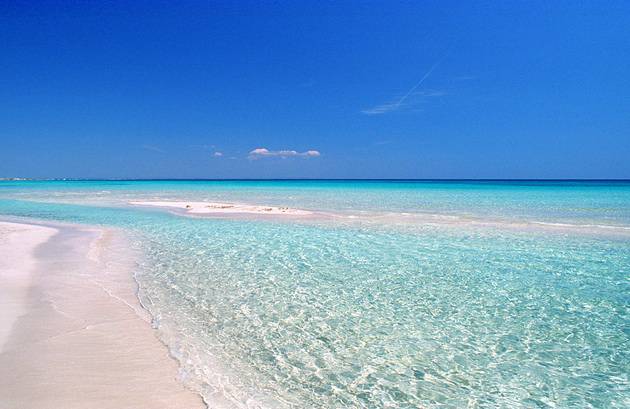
{"points": [[266, 313]]}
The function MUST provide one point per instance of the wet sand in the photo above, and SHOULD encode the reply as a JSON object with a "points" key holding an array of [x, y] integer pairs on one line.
{"points": [[72, 332]]}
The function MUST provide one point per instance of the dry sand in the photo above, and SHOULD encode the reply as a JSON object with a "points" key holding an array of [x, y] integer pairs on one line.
{"points": [[72, 332]]}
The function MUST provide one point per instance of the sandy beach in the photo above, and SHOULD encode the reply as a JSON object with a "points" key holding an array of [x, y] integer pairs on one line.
{"points": [[72, 332]]}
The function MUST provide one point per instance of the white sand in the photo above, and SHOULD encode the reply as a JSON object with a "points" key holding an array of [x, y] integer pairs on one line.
{"points": [[17, 263], [223, 208], [74, 334]]}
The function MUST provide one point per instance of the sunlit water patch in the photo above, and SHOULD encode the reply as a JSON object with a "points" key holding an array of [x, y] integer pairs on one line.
{"points": [[335, 318]]}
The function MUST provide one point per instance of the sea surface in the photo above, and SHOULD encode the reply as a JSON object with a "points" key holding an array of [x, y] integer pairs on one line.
{"points": [[397, 294]]}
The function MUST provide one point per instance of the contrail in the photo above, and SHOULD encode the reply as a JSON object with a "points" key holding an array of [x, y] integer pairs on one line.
{"points": [[415, 87], [392, 106]]}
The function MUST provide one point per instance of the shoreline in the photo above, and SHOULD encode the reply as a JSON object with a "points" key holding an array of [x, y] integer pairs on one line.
{"points": [[76, 335]]}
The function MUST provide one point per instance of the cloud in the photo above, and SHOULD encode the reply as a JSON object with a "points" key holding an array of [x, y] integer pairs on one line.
{"points": [[266, 153], [382, 109], [396, 105], [217, 154], [430, 93]]}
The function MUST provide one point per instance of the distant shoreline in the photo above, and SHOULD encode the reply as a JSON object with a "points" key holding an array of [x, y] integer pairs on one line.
{"points": [[430, 180]]}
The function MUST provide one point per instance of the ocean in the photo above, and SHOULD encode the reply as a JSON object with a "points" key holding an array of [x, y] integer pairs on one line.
{"points": [[397, 294]]}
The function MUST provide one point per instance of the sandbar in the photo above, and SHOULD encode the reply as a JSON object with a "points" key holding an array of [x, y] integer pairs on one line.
{"points": [[208, 208]]}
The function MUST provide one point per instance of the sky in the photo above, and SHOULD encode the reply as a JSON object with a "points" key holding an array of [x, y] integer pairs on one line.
{"points": [[299, 89]]}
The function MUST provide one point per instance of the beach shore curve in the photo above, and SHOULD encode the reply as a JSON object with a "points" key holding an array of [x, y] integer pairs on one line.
{"points": [[73, 333]]}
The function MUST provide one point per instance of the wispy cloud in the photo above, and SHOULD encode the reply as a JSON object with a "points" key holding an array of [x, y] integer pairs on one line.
{"points": [[382, 109], [152, 148], [266, 153], [217, 154], [203, 147], [430, 93], [401, 101], [465, 78]]}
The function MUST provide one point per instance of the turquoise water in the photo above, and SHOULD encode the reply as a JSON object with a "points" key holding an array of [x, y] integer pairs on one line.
{"points": [[528, 310], [603, 202]]}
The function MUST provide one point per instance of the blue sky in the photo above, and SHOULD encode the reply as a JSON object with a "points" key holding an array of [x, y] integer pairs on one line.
{"points": [[315, 89]]}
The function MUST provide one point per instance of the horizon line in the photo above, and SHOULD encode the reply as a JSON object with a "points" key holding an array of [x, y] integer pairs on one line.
{"points": [[25, 179]]}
